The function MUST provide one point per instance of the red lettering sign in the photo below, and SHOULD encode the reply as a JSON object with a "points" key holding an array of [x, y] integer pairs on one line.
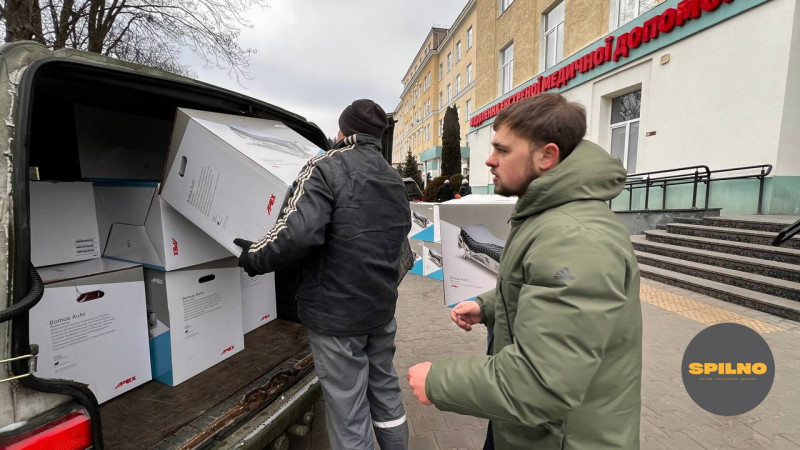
{"points": [[174, 247], [271, 204], [229, 349], [663, 23], [266, 317]]}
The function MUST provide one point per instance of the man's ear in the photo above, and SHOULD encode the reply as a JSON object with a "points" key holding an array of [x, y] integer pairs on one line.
{"points": [[549, 157]]}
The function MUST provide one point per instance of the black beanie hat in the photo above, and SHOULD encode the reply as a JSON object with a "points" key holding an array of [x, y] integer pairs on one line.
{"points": [[363, 117]]}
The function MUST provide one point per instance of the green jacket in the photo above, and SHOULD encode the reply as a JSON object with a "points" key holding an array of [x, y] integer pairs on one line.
{"points": [[566, 359]]}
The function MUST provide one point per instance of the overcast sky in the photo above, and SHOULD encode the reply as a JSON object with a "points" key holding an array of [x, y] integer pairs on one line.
{"points": [[316, 56]]}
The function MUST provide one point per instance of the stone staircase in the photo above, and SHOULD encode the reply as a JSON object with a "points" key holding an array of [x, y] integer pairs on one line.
{"points": [[729, 258]]}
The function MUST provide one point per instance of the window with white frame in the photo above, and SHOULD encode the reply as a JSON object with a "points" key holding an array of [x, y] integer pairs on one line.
{"points": [[554, 36], [449, 62], [427, 81], [458, 83], [449, 94], [625, 114], [458, 112], [469, 110], [441, 122], [628, 10], [469, 38], [428, 107], [507, 69], [504, 4], [469, 74], [441, 70], [458, 51]]}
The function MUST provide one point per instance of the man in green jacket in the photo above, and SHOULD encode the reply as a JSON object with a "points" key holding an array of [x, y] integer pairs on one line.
{"points": [[565, 361]]}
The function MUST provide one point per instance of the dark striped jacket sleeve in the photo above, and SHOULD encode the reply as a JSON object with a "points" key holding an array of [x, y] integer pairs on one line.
{"points": [[303, 223]]}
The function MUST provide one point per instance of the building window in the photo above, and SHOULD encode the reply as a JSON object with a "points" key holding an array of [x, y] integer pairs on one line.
{"points": [[449, 62], [441, 126], [449, 94], [458, 83], [625, 111], [469, 38], [458, 112], [441, 103], [427, 81], [469, 111], [506, 69], [441, 71], [504, 4], [469, 74], [554, 36], [458, 51], [628, 10]]}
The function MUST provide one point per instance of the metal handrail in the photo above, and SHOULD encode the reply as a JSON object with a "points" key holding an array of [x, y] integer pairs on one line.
{"points": [[786, 233], [702, 174]]}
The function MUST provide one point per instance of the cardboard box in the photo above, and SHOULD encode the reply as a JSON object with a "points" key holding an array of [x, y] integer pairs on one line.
{"points": [[143, 228], [91, 326], [432, 261], [63, 223], [258, 300], [425, 222], [473, 237], [419, 252], [194, 317], [111, 144], [230, 175]]}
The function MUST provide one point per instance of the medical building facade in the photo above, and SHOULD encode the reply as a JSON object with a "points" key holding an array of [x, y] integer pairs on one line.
{"points": [[707, 85]]}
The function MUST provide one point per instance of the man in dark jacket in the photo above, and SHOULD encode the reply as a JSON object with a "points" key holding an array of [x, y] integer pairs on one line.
{"points": [[345, 223], [445, 192], [465, 189]]}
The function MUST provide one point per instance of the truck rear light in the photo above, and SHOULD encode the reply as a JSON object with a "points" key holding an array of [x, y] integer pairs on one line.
{"points": [[70, 432]]}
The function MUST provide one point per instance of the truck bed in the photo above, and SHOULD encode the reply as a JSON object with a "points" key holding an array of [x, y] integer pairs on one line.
{"points": [[276, 356]]}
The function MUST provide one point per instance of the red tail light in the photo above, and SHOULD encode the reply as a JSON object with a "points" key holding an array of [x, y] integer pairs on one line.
{"points": [[71, 432]]}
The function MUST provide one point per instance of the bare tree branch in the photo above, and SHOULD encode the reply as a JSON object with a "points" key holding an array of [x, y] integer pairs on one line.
{"points": [[151, 32]]}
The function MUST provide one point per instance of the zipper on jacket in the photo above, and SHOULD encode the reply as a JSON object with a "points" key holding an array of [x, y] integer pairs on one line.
{"points": [[505, 307]]}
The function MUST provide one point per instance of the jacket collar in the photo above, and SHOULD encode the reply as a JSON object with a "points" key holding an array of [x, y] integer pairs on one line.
{"points": [[358, 139]]}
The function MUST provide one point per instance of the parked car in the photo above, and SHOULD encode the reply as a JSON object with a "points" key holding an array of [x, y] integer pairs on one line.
{"points": [[248, 400], [414, 193]]}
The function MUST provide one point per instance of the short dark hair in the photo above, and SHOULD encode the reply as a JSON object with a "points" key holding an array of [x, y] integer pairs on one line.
{"points": [[546, 118]]}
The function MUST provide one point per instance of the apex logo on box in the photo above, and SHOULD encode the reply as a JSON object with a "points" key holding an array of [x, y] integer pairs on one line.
{"points": [[157, 281], [174, 247], [271, 204], [229, 349], [266, 317], [124, 382]]}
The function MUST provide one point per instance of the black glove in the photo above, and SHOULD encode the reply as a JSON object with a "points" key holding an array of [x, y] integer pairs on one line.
{"points": [[244, 258]]}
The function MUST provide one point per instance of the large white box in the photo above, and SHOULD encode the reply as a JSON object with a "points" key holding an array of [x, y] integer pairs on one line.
{"points": [[229, 175], [432, 261], [63, 223], [91, 326], [194, 317], [425, 222], [418, 251], [258, 300], [142, 228], [473, 238]]}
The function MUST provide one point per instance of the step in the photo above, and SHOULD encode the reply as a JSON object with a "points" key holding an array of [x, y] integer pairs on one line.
{"points": [[759, 283], [777, 306], [758, 223], [768, 252], [689, 220], [730, 234], [783, 271]]}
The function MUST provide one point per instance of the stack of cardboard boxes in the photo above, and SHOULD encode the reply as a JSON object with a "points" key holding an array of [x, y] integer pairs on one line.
{"points": [[141, 279], [460, 243]]}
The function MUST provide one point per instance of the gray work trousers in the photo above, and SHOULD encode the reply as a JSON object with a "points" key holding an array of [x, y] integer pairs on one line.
{"points": [[361, 390]]}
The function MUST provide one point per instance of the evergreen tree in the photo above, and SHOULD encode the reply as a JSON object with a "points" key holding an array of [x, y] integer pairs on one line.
{"points": [[451, 143], [410, 169]]}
